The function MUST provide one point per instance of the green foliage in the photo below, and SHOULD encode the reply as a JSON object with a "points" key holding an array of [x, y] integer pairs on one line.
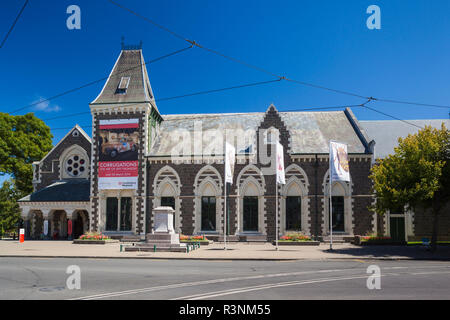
{"points": [[9, 209], [23, 140], [418, 173]]}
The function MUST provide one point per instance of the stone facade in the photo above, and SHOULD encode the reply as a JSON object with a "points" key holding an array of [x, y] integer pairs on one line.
{"points": [[310, 173], [186, 180]]}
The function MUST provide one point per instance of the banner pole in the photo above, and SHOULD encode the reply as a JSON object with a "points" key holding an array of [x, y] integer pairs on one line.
{"points": [[331, 204], [276, 217], [225, 197]]}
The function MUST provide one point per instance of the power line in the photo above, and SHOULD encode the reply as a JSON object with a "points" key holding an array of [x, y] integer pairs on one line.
{"points": [[14, 23], [413, 103], [232, 58], [177, 97], [99, 80], [323, 108], [363, 105], [393, 117], [231, 114], [218, 90], [67, 116], [262, 69], [149, 20], [68, 128]]}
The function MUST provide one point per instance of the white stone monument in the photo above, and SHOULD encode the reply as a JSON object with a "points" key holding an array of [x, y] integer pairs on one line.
{"points": [[163, 220], [163, 236]]}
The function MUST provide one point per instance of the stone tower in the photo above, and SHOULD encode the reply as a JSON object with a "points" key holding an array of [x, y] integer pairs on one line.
{"points": [[125, 120]]}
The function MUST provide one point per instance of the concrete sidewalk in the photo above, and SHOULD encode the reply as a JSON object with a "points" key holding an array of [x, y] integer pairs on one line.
{"points": [[236, 251]]}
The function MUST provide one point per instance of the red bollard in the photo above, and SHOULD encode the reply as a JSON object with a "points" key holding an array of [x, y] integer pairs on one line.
{"points": [[22, 235]]}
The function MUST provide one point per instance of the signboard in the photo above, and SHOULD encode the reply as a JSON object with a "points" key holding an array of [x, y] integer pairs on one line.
{"points": [[118, 154]]}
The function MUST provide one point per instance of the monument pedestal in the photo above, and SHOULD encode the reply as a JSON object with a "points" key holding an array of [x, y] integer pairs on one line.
{"points": [[163, 237]]}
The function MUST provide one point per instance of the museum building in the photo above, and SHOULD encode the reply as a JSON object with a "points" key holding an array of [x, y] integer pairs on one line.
{"points": [[138, 159]]}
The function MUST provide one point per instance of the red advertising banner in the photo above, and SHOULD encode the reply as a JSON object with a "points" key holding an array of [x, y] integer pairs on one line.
{"points": [[118, 153], [118, 169], [69, 227]]}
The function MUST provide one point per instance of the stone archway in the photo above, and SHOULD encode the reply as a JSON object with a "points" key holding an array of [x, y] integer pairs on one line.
{"points": [[58, 225], [80, 223]]}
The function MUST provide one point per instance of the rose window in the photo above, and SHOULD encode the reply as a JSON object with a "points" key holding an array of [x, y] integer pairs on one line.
{"points": [[75, 165]]}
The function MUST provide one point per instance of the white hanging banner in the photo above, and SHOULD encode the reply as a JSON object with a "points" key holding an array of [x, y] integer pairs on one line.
{"points": [[230, 160], [339, 166], [280, 164], [45, 227]]}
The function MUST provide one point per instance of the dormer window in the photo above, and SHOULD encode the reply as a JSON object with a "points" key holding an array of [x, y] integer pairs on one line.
{"points": [[123, 85]]}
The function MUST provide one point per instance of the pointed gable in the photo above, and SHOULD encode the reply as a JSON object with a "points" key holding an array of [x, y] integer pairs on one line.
{"points": [[50, 168], [128, 81]]}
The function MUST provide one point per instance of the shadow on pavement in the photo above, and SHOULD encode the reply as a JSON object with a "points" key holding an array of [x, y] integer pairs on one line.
{"points": [[388, 251]]}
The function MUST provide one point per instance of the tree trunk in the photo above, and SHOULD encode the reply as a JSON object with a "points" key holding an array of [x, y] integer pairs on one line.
{"points": [[434, 235]]}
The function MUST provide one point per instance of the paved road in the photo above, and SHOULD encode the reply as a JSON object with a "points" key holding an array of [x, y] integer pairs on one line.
{"points": [[40, 278]]}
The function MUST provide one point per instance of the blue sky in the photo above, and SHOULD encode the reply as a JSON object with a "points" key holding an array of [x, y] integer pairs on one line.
{"points": [[322, 42]]}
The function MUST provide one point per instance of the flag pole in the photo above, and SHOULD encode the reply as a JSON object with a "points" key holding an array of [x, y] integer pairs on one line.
{"points": [[225, 197], [276, 218], [331, 202]]}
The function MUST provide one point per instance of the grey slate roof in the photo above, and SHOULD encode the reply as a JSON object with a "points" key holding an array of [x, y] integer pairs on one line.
{"points": [[386, 132], [64, 190], [129, 64], [310, 131]]}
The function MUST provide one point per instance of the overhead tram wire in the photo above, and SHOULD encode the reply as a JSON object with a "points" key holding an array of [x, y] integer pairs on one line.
{"points": [[412, 103], [363, 105], [393, 117], [222, 114], [248, 65], [323, 108], [99, 80], [14, 23], [219, 90], [180, 96], [262, 69]]}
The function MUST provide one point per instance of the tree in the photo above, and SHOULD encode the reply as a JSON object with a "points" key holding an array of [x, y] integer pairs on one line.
{"points": [[23, 140], [417, 174], [9, 209]]}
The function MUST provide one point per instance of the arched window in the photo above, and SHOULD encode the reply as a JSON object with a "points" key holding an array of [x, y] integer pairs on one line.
{"points": [[166, 189], [208, 204], [341, 205], [250, 202]]}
